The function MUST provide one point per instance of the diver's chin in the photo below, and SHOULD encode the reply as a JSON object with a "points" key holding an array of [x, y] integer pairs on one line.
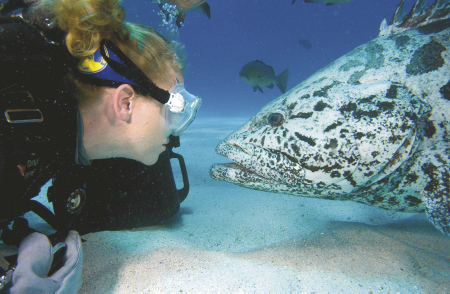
{"points": [[151, 160]]}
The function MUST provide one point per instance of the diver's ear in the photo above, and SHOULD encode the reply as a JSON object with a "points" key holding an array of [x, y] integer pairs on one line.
{"points": [[123, 101]]}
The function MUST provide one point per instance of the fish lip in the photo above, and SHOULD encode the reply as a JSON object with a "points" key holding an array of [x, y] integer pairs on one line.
{"points": [[235, 152], [244, 160], [244, 172]]}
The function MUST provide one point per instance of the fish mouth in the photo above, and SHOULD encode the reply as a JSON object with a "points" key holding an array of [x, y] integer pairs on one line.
{"points": [[235, 173], [252, 164]]}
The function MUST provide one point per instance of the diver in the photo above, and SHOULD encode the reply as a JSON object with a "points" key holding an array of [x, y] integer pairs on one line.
{"points": [[77, 84]]}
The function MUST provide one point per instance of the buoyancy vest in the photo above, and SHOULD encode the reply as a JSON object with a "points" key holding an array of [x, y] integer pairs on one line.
{"points": [[37, 118]]}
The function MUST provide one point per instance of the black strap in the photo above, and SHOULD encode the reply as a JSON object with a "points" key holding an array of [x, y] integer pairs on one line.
{"points": [[130, 71]]}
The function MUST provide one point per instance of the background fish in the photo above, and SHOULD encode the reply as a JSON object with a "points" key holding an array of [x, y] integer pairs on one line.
{"points": [[184, 6], [258, 74], [328, 2], [305, 43], [371, 127]]}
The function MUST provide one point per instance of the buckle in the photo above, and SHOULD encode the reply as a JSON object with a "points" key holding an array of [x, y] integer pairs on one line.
{"points": [[6, 274], [5, 279], [20, 116]]}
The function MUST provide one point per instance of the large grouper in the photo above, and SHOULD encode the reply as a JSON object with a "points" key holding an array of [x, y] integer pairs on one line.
{"points": [[371, 127]]}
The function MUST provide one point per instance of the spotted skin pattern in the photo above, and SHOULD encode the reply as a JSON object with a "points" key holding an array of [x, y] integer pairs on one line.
{"points": [[371, 127]]}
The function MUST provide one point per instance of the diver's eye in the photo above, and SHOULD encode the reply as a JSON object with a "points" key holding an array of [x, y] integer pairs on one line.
{"points": [[276, 119]]}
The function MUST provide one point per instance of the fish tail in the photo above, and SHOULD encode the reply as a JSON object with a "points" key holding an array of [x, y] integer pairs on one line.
{"points": [[282, 80]]}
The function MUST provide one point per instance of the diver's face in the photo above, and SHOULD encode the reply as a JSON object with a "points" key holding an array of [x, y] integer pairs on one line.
{"points": [[149, 132], [146, 137]]}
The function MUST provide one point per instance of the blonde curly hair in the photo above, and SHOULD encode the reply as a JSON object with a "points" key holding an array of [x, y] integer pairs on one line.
{"points": [[88, 22]]}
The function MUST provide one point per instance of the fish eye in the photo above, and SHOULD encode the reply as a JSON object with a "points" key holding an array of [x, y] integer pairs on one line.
{"points": [[276, 119]]}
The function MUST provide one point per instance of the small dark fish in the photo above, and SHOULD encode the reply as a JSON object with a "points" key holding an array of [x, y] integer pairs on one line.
{"points": [[305, 43], [258, 74], [327, 2], [184, 6], [293, 1]]}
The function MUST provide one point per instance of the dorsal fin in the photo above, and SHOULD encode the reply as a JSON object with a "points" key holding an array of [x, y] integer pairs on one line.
{"points": [[399, 13], [421, 14], [419, 8]]}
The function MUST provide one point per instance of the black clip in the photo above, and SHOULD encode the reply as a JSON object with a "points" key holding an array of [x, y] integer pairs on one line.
{"points": [[7, 262]]}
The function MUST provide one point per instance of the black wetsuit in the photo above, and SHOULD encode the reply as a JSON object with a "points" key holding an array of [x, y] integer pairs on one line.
{"points": [[32, 88]]}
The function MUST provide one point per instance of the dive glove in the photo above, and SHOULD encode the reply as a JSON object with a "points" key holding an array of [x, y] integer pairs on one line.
{"points": [[34, 263]]}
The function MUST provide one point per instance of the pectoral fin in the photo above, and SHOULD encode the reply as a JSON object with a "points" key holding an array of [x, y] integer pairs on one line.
{"points": [[257, 88], [436, 194]]}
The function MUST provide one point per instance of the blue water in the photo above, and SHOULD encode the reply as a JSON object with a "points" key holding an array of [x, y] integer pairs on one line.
{"points": [[230, 239], [240, 31]]}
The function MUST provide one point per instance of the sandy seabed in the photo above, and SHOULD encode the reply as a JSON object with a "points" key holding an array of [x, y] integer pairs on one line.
{"points": [[230, 239]]}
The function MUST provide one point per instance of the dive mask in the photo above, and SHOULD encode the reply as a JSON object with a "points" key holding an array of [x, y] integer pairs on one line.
{"points": [[180, 110]]}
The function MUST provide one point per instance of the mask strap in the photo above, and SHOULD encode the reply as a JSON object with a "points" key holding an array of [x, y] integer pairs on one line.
{"points": [[129, 70]]}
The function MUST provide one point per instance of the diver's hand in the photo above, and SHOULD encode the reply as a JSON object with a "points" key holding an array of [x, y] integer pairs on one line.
{"points": [[34, 262]]}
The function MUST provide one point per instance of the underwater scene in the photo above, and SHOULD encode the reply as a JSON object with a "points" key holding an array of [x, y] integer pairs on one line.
{"points": [[317, 162]]}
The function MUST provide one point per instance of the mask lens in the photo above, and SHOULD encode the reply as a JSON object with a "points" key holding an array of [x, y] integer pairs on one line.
{"points": [[181, 110]]}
